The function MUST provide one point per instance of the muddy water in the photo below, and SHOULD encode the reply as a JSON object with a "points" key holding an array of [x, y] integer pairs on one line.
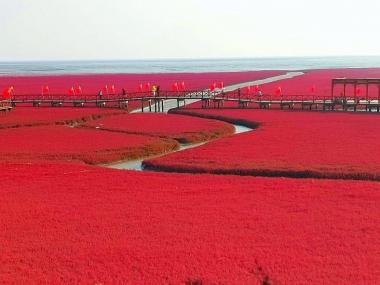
{"points": [[137, 164]]}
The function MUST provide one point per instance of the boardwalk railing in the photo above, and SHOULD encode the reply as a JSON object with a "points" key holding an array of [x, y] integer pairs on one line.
{"points": [[108, 100], [209, 99]]}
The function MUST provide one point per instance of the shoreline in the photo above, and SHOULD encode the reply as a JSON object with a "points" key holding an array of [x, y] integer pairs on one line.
{"points": [[185, 65], [150, 73]]}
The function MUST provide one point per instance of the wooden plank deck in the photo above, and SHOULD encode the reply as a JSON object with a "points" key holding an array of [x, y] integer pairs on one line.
{"points": [[5, 106], [5, 109]]}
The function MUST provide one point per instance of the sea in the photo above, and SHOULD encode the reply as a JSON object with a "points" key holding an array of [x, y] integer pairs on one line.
{"points": [[184, 65]]}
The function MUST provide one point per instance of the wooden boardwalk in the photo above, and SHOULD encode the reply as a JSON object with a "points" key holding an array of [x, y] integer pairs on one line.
{"points": [[289, 102], [147, 100], [231, 97], [161, 103], [234, 99], [5, 106]]}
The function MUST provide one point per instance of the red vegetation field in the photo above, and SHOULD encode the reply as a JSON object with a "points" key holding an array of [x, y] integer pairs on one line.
{"points": [[63, 222], [28, 116], [91, 84], [295, 144], [185, 129], [86, 225], [66, 144]]}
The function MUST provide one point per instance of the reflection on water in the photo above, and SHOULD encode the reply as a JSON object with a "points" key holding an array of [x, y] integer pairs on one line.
{"points": [[137, 164]]}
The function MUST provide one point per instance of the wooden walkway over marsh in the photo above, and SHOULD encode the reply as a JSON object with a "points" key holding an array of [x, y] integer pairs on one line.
{"points": [[5, 106], [208, 99], [227, 98]]}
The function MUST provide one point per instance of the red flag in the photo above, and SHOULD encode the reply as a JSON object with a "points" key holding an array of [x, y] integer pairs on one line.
{"points": [[140, 88], [113, 89], [279, 91], [212, 87], [105, 89], [313, 89], [221, 85], [71, 91], [175, 87], [257, 88], [147, 87], [358, 91], [78, 90], [248, 90], [7, 93], [182, 86], [45, 90]]}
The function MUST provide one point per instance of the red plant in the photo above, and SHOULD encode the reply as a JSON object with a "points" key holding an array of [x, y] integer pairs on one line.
{"points": [[296, 144], [185, 129], [65, 224], [67, 144], [21, 117]]}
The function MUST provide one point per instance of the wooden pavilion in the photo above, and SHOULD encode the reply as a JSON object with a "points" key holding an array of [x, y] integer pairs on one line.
{"points": [[355, 82]]}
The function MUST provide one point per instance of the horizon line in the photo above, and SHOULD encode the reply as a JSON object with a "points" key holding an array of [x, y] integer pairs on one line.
{"points": [[187, 58]]}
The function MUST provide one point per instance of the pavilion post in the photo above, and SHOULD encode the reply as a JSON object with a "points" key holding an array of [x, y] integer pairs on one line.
{"points": [[344, 90], [378, 97]]}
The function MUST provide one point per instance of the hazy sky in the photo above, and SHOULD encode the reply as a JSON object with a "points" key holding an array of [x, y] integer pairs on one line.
{"points": [[126, 29]]}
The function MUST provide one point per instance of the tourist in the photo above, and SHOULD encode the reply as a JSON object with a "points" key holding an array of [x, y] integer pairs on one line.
{"points": [[154, 90]]}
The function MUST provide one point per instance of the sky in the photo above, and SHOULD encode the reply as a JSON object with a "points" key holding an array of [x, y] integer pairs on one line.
{"points": [[160, 29]]}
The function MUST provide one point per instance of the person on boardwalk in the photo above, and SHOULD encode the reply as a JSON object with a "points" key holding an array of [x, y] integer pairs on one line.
{"points": [[260, 94], [158, 91], [100, 94], [154, 90]]}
